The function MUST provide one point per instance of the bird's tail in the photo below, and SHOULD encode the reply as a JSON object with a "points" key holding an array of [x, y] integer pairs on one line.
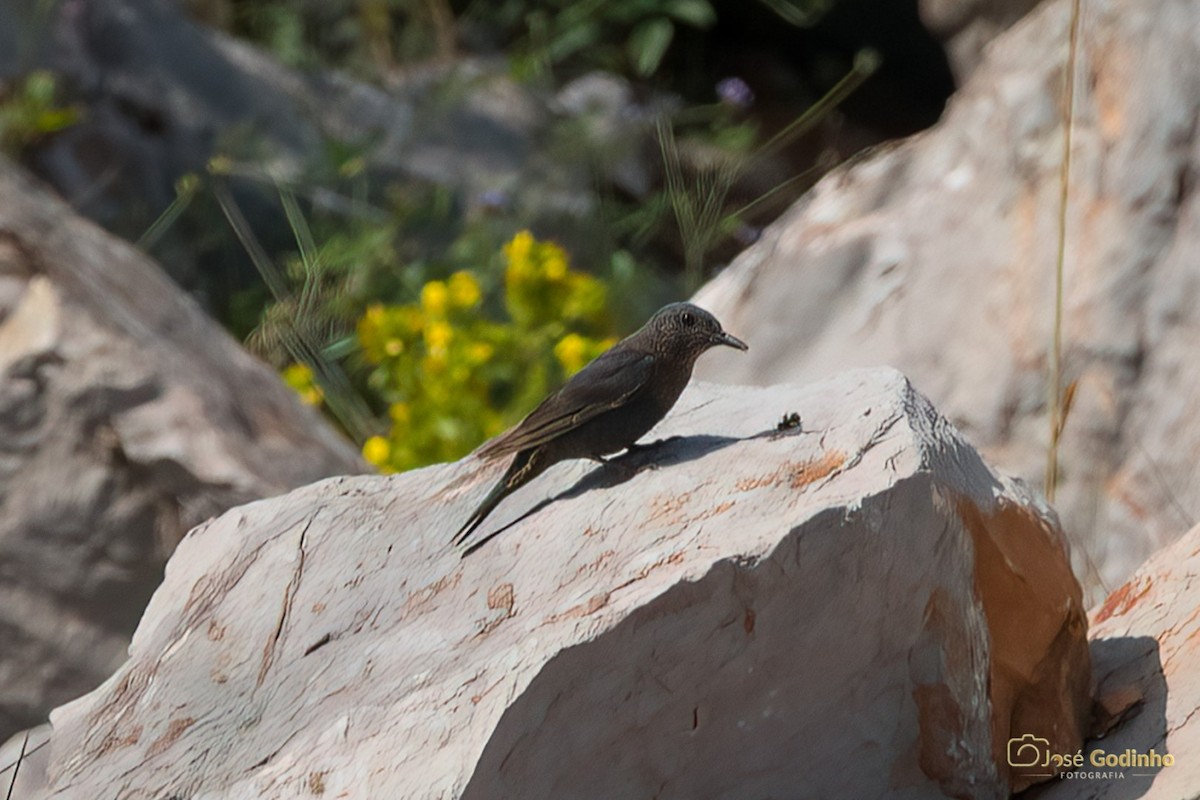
{"points": [[523, 469], [489, 503]]}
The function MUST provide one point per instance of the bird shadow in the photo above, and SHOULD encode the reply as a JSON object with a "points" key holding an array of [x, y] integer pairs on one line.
{"points": [[669, 452]]}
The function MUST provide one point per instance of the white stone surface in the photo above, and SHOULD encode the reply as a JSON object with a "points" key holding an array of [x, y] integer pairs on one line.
{"points": [[126, 417], [937, 256], [857, 608]]}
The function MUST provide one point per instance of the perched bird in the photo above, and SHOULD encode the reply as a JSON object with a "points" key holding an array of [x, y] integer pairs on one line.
{"points": [[609, 404]]}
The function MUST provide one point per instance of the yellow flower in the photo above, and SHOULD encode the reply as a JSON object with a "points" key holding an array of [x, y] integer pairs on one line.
{"points": [[480, 352], [376, 450], [464, 289], [369, 333], [571, 352], [433, 364], [434, 298], [406, 319], [393, 347], [400, 413], [300, 378], [555, 264], [438, 335], [587, 297], [518, 250], [374, 313]]}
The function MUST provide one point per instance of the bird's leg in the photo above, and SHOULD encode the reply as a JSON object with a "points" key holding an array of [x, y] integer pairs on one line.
{"points": [[642, 448], [622, 462], [617, 463], [637, 449]]}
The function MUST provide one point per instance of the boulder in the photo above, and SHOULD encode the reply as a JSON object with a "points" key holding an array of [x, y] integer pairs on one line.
{"points": [[126, 418], [1144, 640], [23, 760], [965, 27], [815, 591], [937, 256]]}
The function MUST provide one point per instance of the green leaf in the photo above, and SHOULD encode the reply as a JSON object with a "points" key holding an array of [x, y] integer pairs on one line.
{"points": [[39, 87], [572, 40], [736, 138], [627, 12], [697, 13], [648, 44], [52, 120], [801, 13]]}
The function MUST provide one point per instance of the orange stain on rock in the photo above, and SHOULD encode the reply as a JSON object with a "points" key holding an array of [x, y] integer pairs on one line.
{"points": [[423, 596], [815, 469], [1035, 615], [798, 474], [667, 505], [747, 484], [113, 741], [590, 567], [1124, 598], [584, 609], [502, 596], [174, 730]]}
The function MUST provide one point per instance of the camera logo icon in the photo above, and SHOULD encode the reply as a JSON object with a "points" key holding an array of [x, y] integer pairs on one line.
{"points": [[1027, 750]]}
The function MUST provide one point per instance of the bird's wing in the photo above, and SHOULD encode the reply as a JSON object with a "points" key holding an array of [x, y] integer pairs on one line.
{"points": [[606, 383]]}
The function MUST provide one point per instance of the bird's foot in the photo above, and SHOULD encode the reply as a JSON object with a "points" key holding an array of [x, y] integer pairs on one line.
{"points": [[619, 465], [632, 459], [643, 448], [637, 450]]}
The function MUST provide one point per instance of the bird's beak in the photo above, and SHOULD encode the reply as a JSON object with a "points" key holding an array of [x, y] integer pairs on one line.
{"points": [[731, 341]]}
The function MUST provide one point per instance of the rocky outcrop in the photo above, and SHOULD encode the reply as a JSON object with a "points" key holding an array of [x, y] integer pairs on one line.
{"points": [[126, 418], [817, 591], [965, 27], [937, 256], [1144, 645], [23, 760]]}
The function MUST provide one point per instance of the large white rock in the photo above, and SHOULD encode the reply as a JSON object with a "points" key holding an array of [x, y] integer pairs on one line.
{"points": [[937, 257], [855, 608], [126, 417]]}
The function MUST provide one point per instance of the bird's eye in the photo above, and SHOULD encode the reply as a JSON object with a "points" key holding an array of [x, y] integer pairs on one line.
{"points": [[689, 319]]}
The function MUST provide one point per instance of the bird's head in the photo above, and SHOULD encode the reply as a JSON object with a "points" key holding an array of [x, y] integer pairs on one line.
{"points": [[687, 331]]}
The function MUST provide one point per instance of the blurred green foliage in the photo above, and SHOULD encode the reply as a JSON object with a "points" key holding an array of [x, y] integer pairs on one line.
{"points": [[453, 372], [413, 315], [624, 36], [29, 111], [421, 353], [372, 37], [366, 37]]}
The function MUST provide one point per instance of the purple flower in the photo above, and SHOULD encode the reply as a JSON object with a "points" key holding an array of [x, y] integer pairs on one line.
{"points": [[746, 234], [493, 200], [736, 92]]}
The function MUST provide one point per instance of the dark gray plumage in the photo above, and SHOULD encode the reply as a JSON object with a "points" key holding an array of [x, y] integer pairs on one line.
{"points": [[609, 404]]}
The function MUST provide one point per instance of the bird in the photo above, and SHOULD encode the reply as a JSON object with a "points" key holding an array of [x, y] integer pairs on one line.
{"points": [[606, 406]]}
